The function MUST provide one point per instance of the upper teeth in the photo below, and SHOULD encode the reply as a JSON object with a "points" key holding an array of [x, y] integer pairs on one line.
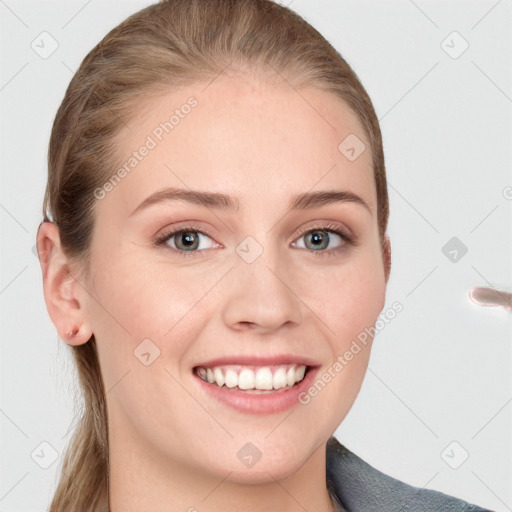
{"points": [[250, 378]]}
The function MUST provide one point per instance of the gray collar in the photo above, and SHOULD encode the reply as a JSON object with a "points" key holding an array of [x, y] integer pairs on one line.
{"points": [[360, 487]]}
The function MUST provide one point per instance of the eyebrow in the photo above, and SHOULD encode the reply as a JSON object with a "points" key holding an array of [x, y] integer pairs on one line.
{"points": [[220, 201]]}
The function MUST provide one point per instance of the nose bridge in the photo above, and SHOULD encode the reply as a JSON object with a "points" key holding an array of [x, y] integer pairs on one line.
{"points": [[260, 292]]}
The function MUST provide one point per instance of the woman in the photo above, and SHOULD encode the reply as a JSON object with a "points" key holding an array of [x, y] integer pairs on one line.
{"points": [[214, 239]]}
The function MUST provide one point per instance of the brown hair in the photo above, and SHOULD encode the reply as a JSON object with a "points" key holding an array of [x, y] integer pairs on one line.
{"points": [[173, 42]]}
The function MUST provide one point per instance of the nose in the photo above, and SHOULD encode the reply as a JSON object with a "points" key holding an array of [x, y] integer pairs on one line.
{"points": [[261, 295]]}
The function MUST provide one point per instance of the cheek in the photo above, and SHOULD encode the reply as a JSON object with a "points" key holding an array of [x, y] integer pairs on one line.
{"points": [[348, 299], [349, 308], [355, 299], [133, 303]]}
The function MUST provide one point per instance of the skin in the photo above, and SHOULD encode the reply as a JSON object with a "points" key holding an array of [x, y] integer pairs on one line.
{"points": [[171, 446]]}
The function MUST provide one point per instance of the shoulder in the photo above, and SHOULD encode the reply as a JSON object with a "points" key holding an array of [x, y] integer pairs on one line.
{"points": [[360, 486]]}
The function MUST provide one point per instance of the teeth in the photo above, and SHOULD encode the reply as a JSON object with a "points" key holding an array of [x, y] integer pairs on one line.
{"points": [[299, 373], [245, 379], [263, 379], [219, 376], [290, 376], [279, 380], [231, 379], [253, 378]]}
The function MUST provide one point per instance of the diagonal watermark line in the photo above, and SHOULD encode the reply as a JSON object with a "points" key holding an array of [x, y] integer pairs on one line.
{"points": [[501, 409], [284, 79], [491, 490], [403, 402], [211, 209], [14, 76], [3, 412], [300, 299], [425, 485], [197, 302], [200, 404], [421, 79], [492, 81], [13, 279], [281, 2], [485, 14], [94, 93], [118, 381], [216, 76], [2, 1], [14, 218], [73, 424], [286, 490], [68, 67], [424, 14], [14, 485], [101, 305], [76, 14], [286, 417], [415, 209], [216, 487], [320, 445], [422, 280], [484, 218], [312, 106], [314, 185], [72, 481]]}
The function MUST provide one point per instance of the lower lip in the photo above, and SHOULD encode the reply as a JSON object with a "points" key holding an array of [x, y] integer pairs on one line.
{"points": [[258, 403]]}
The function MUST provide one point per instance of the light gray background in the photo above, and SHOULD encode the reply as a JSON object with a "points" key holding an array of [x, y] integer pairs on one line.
{"points": [[441, 370]]}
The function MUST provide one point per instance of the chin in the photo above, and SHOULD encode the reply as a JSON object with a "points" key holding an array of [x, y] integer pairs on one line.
{"points": [[261, 473], [253, 460]]}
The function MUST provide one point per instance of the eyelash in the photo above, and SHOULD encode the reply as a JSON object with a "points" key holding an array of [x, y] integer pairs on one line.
{"points": [[330, 228]]}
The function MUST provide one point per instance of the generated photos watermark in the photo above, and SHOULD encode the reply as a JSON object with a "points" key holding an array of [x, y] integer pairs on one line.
{"points": [[152, 140], [355, 348]]}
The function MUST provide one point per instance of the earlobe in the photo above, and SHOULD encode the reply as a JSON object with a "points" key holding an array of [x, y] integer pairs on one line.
{"points": [[62, 293]]}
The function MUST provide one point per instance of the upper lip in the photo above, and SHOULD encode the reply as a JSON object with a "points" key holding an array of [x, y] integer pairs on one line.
{"points": [[246, 360]]}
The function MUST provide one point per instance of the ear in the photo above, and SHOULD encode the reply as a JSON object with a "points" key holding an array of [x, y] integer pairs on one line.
{"points": [[63, 294], [386, 255]]}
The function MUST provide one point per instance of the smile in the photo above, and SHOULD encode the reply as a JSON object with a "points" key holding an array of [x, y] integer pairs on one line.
{"points": [[253, 378]]}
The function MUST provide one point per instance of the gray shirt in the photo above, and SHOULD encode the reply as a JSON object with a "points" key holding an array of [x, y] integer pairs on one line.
{"points": [[359, 487]]}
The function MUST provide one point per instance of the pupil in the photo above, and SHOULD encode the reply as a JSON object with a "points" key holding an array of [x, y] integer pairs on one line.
{"points": [[318, 236], [189, 239]]}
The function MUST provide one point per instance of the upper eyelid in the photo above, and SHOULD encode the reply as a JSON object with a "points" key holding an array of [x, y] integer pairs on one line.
{"points": [[323, 226]]}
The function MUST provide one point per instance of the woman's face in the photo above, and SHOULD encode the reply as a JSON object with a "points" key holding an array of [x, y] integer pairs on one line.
{"points": [[252, 278]]}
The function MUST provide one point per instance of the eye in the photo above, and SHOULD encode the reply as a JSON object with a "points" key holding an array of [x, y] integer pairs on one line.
{"points": [[185, 240], [325, 240], [322, 240]]}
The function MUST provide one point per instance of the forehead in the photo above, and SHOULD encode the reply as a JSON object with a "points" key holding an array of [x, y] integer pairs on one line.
{"points": [[245, 137]]}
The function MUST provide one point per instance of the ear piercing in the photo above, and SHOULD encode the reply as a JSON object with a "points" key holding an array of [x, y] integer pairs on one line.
{"points": [[72, 333]]}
